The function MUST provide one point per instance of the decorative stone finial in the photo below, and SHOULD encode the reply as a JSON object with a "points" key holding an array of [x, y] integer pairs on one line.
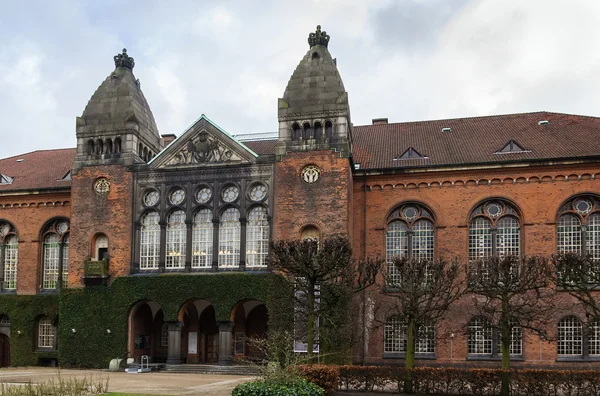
{"points": [[318, 38], [124, 60]]}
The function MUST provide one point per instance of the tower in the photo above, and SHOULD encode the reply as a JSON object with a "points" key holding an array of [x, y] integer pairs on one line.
{"points": [[115, 133], [313, 176]]}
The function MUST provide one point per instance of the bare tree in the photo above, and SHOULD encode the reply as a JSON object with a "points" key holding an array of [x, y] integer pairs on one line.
{"points": [[513, 293], [421, 293], [324, 276], [579, 275]]}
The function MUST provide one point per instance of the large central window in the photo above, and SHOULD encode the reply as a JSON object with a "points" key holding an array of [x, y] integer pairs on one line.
{"points": [[176, 240], [229, 238], [202, 239], [410, 232], [257, 237]]}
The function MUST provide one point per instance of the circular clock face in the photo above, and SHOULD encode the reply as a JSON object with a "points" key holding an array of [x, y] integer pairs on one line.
{"points": [[62, 227], [258, 192], [203, 195], [151, 198], [583, 206], [177, 197], [230, 194], [102, 186]]}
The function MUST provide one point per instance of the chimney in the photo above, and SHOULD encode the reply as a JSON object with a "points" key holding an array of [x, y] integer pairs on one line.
{"points": [[168, 138], [377, 121]]}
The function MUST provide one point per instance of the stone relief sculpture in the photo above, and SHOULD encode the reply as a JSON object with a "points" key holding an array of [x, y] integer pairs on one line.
{"points": [[204, 148]]}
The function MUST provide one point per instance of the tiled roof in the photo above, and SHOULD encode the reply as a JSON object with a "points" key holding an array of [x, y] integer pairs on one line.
{"points": [[38, 169], [476, 140], [262, 147]]}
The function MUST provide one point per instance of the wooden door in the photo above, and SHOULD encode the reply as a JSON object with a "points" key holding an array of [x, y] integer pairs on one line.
{"points": [[4, 350]]}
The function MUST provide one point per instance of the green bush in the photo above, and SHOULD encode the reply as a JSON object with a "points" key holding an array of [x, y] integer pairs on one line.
{"points": [[264, 388]]}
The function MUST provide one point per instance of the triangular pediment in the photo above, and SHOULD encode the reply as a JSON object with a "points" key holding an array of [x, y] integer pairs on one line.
{"points": [[203, 144]]}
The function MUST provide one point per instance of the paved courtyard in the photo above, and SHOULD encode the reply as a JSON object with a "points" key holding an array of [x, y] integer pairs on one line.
{"points": [[152, 383]]}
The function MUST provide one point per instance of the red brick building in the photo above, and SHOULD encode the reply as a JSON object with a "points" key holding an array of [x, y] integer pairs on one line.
{"points": [[128, 207]]}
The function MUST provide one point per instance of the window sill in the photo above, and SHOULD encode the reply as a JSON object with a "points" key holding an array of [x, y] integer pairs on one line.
{"points": [[418, 356], [46, 350], [577, 359], [10, 291], [48, 291], [516, 358]]}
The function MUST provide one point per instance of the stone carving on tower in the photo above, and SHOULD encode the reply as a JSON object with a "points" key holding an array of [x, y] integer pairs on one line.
{"points": [[314, 113]]}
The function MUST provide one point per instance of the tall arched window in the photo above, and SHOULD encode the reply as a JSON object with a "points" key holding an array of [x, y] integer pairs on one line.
{"points": [[202, 239], [150, 241], [318, 130], [46, 333], [176, 240], [55, 254], [229, 238], [257, 237], [328, 130], [395, 337], [9, 255], [578, 228], [296, 131], [307, 132], [410, 232], [494, 231]]}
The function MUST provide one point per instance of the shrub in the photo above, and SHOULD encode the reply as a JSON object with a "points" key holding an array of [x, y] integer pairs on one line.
{"points": [[265, 388], [326, 377]]}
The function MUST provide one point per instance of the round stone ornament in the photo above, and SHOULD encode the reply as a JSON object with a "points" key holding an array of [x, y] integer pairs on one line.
{"points": [[230, 194], [311, 173], [494, 209], [583, 206], [102, 186], [410, 213], [203, 195], [177, 197], [62, 227], [258, 192], [151, 198]]}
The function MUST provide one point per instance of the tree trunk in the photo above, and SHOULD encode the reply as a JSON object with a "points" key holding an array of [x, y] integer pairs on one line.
{"points": [[410, 356], [506, 334], [310, 323]]}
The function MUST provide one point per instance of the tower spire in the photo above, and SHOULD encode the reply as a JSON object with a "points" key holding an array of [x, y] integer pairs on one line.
{"points": [[318, 38], [124, 60]]}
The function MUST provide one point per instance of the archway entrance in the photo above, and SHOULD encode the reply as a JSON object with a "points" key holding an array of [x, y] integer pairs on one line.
{"points": [[148, 334], [4, 341], [250, 320], [200, 333]]}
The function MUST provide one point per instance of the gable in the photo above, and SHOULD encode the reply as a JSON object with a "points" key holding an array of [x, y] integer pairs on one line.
{"points": [[511, 147], [203, 144]]}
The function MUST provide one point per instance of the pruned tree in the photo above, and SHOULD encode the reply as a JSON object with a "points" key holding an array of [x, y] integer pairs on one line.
{"points": [[513, 293], [579, 275], [421, 293], [325, 277]]}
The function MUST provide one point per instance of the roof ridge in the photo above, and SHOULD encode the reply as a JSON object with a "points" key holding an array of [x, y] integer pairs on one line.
{"points": [[37, 151]]}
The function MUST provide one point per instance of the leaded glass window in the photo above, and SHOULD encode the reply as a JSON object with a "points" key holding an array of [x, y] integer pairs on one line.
{"points": [[229, 238], [150, 241], [594, 339], [55, 254], [46, 333], [202, 239], [164, 335], [410, 233], [257, 238], [65, 260], [480, 337], [51, 260], [569, 234], [10, 251], [395, 337], [176, 240], [570, 337]]}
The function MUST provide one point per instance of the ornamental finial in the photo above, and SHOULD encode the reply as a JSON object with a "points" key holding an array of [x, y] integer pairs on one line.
{"points": [[124, 60], [318, 38]]}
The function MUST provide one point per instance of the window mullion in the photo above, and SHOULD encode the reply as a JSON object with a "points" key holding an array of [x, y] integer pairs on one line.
{"points": [[2, 266], [494, 233], [409, 242], [583, 238]]}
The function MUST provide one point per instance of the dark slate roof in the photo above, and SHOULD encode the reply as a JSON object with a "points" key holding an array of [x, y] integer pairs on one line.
{"points": [[475, 140], [262, 147], [39, 169]]}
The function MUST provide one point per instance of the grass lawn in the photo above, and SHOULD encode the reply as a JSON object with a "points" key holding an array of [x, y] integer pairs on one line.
{"points": [[128, 394]]}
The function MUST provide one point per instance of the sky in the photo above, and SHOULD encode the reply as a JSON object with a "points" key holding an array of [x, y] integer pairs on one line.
{"points": [[231, 59]]}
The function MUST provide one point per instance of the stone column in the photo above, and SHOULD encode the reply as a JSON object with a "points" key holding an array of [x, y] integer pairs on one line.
{"points": [[174, 354], [225, 343]]}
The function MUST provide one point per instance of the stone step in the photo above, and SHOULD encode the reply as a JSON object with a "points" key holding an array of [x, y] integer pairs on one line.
{"points": [[210, 369]]}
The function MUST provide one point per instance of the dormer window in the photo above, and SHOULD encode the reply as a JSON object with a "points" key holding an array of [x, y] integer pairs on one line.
{"points": [[411, 153], [5, 179], [512, 147]]}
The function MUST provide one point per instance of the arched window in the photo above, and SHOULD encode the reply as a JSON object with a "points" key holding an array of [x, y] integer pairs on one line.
{"points": [[176, 239], [9, 255], [46, 333], [100, 251], [318, 130], [117, 145], [99, 147], [310, 232], [229, 238], [4, 320], [296, 132], [328, 130], [90, 147], [307, 132], [109, 146], [150, 241], [395, 337], [55, 254], [494, 231], [410, 233], [202, 239], [570, 336], [578, 228], [257, 238], [140, 150]]}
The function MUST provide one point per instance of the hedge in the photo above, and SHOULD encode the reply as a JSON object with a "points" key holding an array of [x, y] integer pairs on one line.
{"points": [[24, 312], [93, 310], [293, 388], [453, 381]]}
